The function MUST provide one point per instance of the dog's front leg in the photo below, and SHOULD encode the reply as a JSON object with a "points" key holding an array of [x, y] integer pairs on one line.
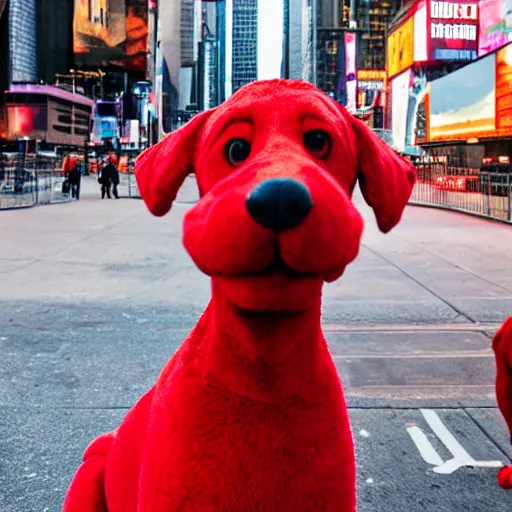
{"points": [[87, 490]]}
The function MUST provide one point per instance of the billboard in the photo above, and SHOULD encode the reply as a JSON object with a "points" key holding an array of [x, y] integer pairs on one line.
{"points": [[350, 71], [504, 90], [453, 33], [463, 103], [136, 47], [111, 33], [400, 48], [495, 25], [399, 107], [370, 84], [408, 92]]}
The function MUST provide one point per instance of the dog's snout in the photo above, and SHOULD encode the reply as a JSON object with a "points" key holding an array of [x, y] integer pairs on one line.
{"points": [[279, 203]]}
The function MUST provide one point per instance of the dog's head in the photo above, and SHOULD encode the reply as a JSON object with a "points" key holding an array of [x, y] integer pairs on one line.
{"points": [[276, 165]]}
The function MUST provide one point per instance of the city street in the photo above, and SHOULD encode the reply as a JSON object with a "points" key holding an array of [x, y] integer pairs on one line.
{"points": [[95, 296]]}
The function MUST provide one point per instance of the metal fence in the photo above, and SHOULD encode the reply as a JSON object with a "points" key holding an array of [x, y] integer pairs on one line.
{"points": [[28, 180], [475, 191]]}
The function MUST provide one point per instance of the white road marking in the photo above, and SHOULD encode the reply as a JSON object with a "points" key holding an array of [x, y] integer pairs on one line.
{"points": [[427, 451], [461, 457], [364, 433]]}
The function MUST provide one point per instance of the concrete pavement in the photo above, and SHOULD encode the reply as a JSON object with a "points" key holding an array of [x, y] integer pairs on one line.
{"points": [[96, 295]]}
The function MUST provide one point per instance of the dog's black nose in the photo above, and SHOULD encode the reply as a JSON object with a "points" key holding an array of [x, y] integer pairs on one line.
{"points": [[279, 203]]}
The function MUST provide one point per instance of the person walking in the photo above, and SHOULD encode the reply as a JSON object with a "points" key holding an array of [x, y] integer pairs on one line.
{"points": [[72, 175], [109, 177], [115, 175]]}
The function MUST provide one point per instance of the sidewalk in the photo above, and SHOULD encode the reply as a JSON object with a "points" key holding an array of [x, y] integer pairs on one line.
{"points": [[96, 295]]}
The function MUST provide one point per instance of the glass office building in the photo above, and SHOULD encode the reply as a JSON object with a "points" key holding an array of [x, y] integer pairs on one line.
{"points": [[373, 19], [223, 45]]}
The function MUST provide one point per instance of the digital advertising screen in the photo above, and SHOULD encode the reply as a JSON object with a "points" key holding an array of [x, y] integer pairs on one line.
{"points": [[111, 33], [463, 103], [408, 92], [136, 34], [400, 48], [370, 83], [504, 90], [454, 28], [415, 101], [399, 107], [350, 71], [495, 25]]}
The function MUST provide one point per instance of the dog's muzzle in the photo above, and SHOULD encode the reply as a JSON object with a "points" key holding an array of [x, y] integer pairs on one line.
{"points": [[279, 203]]}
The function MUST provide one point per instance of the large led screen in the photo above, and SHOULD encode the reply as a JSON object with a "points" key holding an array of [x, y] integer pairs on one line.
{"points": [[400, 48], [399, 107], [453, 33], [463, 103], [495, 24], [504, 90], [407, 95], [136, 34], [111, 33]]}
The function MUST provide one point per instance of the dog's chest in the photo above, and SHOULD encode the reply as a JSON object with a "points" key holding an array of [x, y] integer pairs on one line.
{"points": [[212, 450]]}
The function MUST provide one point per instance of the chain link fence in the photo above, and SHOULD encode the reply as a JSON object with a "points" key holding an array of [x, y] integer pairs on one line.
{"points": [[28, 180]]}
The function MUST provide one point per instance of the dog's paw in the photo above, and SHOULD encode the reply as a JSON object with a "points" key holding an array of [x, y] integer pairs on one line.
{"points": [[505, 477]]}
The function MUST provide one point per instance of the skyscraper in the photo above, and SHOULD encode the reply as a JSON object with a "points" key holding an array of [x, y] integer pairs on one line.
{"points": [[22, 41], [244, 43]]}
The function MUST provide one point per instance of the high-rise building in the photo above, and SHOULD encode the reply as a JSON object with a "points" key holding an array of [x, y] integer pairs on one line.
{"points": [[22, 41], [208, 50], [244, 42], [373, 19]]}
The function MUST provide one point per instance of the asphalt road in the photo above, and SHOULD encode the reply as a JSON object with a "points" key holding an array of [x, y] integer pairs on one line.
{"points": [[96, 295]]}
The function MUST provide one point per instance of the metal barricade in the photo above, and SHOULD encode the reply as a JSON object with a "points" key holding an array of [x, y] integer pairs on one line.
{"points": [[28, 180], [475, 191]]}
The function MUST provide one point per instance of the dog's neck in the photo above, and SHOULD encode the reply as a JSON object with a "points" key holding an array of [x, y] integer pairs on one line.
{"points": [[263, 356]]}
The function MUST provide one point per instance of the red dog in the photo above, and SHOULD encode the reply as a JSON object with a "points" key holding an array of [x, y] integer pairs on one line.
{"points": [[502, 345], [249, 414]]}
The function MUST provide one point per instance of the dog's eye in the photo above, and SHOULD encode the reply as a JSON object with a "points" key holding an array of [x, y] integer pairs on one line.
{"points": [[236, 151], [318, 143]]}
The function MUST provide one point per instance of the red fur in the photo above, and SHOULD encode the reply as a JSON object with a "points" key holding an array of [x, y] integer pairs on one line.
{"points": [[502, 346], [249, 413]]}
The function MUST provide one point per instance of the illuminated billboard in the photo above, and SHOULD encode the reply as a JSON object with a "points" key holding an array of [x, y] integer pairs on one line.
{"points": [[453, 30], [504, 90], [400, 51], [408, 92], [350, 71], [399, 106], [495, 25], [463, 103], [371, 83], [136, 48], [111, 33]]}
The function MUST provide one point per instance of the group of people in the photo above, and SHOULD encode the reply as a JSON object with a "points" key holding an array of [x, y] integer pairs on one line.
{"points": [[108, 177]]}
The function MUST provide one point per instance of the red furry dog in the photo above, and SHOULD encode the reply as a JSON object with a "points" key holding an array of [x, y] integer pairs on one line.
{"points": [[502, 345], [249, 414]]}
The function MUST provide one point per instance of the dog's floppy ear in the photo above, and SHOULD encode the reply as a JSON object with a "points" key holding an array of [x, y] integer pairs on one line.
{"points": [[162, 168], [386, 179]]}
